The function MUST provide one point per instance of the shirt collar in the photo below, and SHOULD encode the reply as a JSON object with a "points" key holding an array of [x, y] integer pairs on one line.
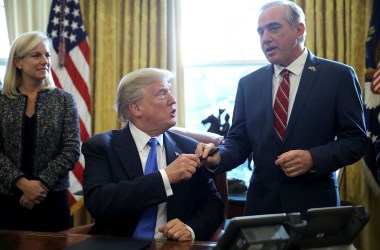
{"points": [[295, 67], [141, 138]]}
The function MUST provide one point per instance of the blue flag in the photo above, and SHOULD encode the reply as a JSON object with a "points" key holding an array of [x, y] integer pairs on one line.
{"points": [[372, 92]]}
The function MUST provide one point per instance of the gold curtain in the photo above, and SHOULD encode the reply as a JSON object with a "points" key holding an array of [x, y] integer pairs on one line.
{"points": [[124, 35], [337, 30]]}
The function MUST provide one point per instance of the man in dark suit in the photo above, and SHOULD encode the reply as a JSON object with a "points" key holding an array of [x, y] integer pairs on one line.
{"points": [[116, 191], [323, 131]]}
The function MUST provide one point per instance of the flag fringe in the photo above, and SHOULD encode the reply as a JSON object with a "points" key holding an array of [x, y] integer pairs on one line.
{"points": [[77, 205]]}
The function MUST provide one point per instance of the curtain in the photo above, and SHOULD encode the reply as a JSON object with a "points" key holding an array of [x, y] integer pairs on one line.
{"points": [[337, 30], [34, 13], [124, 35]]}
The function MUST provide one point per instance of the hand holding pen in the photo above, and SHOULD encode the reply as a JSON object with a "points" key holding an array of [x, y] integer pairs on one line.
{"points": [[208, 154], [183, 167]]}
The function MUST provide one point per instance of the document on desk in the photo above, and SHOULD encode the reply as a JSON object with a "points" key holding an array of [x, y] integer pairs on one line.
{"points": [[110, 244]]}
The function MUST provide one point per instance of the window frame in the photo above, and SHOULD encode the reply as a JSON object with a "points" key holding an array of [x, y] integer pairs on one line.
{"points": [[4, 60]]}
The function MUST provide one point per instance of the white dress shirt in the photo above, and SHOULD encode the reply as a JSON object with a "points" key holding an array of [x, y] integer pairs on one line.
{"points": [[141, 139], [295, 73]]}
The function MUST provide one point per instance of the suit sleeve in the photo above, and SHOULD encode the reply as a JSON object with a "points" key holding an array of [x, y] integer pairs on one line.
{"points": [[69, 151], [110, 194], [351, 140], [209, 210]]}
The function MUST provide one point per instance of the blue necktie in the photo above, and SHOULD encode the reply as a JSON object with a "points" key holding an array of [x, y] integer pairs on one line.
{"points": [[147, 223]]}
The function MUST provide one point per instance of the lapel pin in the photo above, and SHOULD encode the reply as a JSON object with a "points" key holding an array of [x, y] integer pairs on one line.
{"points": [[312, 68]]}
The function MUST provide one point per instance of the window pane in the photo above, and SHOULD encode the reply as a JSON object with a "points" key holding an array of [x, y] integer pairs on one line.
{"points": [[2, 72], [4, 41], [210, 88], [220, 45], [215, 30], [210, 93]]}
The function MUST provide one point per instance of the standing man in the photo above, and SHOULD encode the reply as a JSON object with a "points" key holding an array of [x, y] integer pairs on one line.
{"points": [[301, 125], [178, 200]]}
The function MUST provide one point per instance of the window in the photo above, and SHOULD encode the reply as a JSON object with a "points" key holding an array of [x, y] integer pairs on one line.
{"points": [[4, 41], [220, 45]]}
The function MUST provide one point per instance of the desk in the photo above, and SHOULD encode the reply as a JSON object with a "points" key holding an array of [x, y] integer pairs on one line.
{"points": [[25, 240]]}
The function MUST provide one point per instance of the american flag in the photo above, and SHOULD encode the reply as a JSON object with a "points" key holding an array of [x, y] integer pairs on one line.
{"points": [[372, 97], [71, 72]]}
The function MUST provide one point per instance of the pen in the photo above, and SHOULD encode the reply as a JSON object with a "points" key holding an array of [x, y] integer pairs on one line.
{"points": [[211, 153]]}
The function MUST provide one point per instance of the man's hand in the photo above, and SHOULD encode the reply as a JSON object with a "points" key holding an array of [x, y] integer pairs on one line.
{"points": [[176, 230], [182, 168], [295, 162], [203, 150]]}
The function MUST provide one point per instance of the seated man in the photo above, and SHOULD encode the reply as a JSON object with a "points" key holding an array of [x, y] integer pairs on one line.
{"points": [[180, 199]]}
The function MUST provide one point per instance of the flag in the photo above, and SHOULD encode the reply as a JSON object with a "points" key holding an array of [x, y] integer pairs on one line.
{"points": [[372, 99], [70, 60]]}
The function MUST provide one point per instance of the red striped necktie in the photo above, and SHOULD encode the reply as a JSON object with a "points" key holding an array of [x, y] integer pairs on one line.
{"points": [[281, 103]]}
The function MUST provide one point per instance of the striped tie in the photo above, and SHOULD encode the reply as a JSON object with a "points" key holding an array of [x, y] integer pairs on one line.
{"points": [[281, 103]]}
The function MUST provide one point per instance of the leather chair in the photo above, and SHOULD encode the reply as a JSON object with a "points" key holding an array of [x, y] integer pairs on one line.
{"points": [[220, 180]]}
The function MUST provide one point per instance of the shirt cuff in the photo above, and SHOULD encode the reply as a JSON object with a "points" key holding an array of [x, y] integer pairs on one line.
{"points": [[168, 187], [192, 232], [312, 170]]}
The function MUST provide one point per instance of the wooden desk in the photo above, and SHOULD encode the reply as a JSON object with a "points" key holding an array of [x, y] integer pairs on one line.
{"points": [[25, 240]]}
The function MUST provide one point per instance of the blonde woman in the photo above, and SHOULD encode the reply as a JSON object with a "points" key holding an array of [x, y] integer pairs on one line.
{"points": [[39, 140]]}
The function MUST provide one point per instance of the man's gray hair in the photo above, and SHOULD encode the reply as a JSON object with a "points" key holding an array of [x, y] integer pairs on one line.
{"points": [[131, 90], [295, 14]]}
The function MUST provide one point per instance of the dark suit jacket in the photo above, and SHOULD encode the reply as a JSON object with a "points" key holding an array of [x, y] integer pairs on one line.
{"points": [[327, 119], [116, 190]]}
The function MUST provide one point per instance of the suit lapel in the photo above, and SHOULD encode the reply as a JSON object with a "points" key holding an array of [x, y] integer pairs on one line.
{"points": [[172, 152], [308, 79], [171, 149], [126, 149]]}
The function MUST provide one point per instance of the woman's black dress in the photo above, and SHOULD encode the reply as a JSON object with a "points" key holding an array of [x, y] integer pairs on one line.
{"points": [[52, 214]]}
